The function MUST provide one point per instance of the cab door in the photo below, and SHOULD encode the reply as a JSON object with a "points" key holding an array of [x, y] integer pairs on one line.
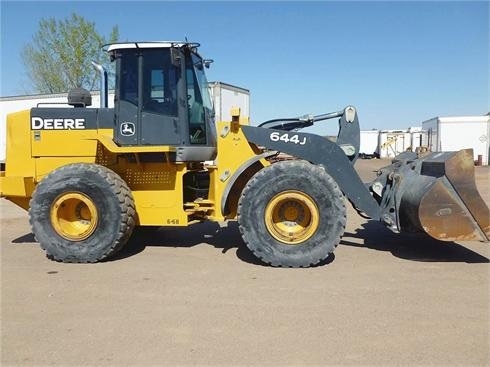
{"points": [[126, 99], [147, 104], [159, 90]]}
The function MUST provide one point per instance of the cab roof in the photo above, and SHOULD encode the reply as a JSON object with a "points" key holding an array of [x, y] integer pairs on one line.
{"points": [[151, 44]]}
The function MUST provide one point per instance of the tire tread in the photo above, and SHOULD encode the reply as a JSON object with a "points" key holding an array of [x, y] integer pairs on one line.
{"points": [[250, 237], [117, 186]]}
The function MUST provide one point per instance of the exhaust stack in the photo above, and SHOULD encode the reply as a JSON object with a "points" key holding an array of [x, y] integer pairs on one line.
{"points": [[103, 85]]}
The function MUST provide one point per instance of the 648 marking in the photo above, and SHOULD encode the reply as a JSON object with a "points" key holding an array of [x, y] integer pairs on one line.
{"points": [[276, 136]]}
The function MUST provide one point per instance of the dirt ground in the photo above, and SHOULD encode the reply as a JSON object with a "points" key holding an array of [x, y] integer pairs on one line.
{"points": [[196, 296]]}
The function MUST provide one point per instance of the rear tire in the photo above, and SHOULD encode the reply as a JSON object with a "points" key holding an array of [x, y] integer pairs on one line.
{"points": [[82, 213], [292, 214]]}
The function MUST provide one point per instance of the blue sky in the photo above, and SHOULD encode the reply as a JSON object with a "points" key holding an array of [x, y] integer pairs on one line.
{"points": [[399, 63]]}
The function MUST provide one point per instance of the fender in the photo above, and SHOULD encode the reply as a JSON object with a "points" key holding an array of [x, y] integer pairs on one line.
{"points": [[224, 198], [324, 152]]}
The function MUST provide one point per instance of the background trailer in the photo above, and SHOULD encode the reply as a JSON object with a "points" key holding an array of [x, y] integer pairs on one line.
{"points": [[225, 96], [455, 133], [394, 142], [369, 147], [389, 143]]}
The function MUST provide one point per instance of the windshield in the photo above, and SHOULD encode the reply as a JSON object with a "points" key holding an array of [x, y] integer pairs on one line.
{"points": [[202, 81], [200, 108]]}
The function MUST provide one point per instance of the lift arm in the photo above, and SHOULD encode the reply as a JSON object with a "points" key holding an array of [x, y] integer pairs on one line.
{"points": [[324, 152]]}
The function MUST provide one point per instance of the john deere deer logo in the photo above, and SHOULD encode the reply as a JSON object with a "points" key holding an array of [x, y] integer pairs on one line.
{"points": [[127, 129]]}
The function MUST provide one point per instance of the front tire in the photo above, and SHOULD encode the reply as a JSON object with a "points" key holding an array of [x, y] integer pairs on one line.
{"points": [[82, 213], [292, 214]]}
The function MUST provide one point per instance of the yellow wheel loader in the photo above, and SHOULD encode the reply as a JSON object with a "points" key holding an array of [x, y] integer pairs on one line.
{"points": [[88, 176]]}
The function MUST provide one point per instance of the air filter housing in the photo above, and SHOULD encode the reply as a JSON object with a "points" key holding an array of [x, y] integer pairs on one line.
{"points": [[79, 97]]}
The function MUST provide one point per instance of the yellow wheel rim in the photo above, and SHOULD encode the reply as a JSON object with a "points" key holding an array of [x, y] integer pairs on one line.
{"points": [[292, 217], [74, 216]]}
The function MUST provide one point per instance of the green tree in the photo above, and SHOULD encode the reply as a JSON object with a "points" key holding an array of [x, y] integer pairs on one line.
{"points": [[60, 54]]}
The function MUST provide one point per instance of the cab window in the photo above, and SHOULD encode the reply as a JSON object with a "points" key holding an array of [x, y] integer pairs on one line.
{"points": [[159, 83], [129, 79]]}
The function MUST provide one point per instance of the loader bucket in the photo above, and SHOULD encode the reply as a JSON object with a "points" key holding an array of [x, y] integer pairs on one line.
{"points": [[439, 196]]}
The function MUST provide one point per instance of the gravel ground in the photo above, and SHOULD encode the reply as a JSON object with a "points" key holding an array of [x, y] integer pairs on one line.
{"points": [[195, 296]]}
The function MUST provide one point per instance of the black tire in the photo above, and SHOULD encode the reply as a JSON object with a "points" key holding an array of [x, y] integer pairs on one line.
{"points": [[279, 197], [82, 213]]}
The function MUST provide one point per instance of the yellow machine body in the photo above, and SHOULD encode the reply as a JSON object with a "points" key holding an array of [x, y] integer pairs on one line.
{"points": [[157, 187]]}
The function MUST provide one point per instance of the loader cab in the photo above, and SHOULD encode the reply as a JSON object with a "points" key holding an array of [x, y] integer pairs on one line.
{"points": [[162, 98]]}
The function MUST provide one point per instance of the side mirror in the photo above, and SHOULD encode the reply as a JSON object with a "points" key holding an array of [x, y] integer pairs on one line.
{"points": [[198, 65]]}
